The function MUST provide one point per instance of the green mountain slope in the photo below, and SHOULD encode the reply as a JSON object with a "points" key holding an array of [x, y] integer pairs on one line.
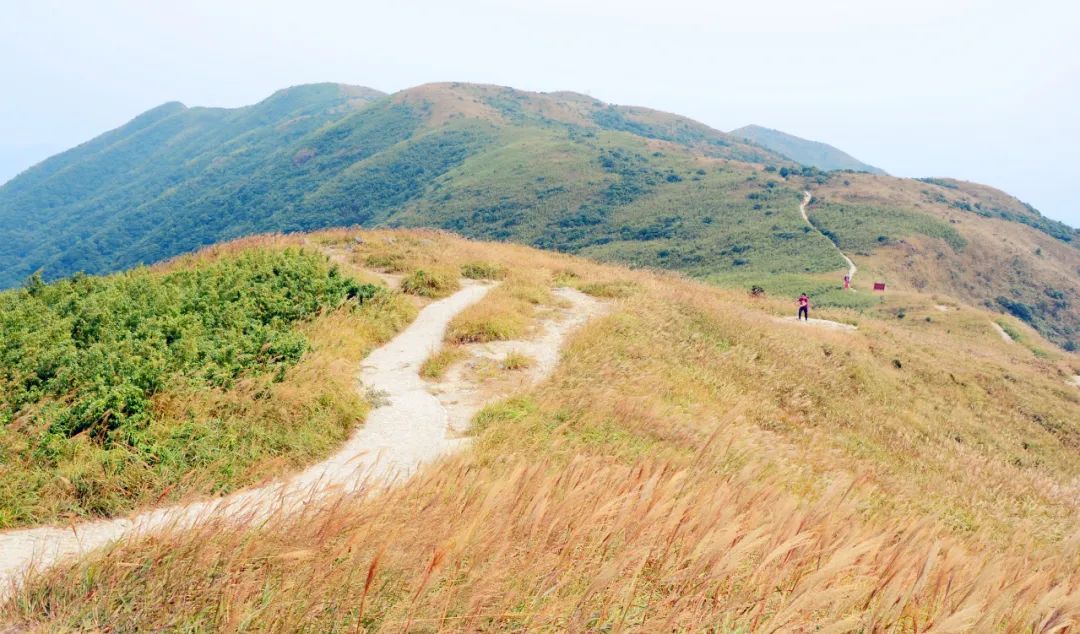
{"points": [[177, 178], [560, 170], [803, 151]]}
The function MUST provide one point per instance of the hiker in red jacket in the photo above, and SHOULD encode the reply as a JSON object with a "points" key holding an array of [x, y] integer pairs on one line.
{"points": [[804, 307]]}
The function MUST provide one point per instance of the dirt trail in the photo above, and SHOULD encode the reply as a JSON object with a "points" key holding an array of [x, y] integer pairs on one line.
{"points": [[802, 209], [411, 427], [463, 397], [820, 323]]}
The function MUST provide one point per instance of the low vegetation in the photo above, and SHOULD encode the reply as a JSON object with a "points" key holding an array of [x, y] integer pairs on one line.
{"points": [[860, 229], [692, 464], [431, 283], [504, 314], [515, 360], [121, 390], [556, 171], [482, 271], [501, 320], [436, 365]]}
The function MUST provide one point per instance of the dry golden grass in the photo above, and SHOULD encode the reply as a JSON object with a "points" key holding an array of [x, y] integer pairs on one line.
{"points": [[515, 360], [436, 365], [306, 415], [505, 313], [693, 465], [1001, 258], [498, 319]]}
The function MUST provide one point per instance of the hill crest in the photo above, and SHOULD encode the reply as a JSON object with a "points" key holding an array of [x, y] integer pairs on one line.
{"points": [[804, 151]]}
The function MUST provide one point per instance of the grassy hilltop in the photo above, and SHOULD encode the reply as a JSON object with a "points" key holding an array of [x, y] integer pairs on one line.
{"points": [[560, 171], [694, 462]]}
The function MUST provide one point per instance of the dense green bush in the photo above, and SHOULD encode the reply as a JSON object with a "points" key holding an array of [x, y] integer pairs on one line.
{"points": [[117, 390], [87, 354]]}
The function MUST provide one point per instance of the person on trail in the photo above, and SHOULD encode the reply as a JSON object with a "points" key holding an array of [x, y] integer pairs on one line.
{"points": [[847, 282], [804, 307]]}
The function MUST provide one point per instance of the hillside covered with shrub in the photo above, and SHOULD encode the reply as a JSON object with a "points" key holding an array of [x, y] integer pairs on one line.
{"points": [[560, 171], [145, 385]]}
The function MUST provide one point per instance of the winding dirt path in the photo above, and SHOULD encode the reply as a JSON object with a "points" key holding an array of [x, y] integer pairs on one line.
{"points": [[802, 209], [409, 429], [463, 397]]}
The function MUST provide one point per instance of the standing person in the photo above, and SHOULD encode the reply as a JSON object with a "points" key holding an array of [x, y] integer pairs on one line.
{"points": [[804, 307], [847, 282]]}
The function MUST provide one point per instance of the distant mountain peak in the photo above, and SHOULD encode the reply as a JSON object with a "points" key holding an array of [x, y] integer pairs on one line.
{"points": [[803, 151]]}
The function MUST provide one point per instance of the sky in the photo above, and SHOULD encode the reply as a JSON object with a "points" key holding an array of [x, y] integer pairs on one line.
{"points": [[986, 91]]}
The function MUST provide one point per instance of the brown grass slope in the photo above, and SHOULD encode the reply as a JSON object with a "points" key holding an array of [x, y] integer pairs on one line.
{"points": [[1002, 263], [693, 465]]}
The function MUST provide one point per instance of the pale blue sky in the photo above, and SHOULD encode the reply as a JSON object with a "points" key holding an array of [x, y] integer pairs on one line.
{"points": [[980, 90]]}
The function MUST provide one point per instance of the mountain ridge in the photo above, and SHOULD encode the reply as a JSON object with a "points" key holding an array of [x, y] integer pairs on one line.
{"points": [[804, 151], [558, 170]]}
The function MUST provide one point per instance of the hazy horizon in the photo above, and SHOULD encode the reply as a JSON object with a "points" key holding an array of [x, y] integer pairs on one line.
{"points": [[980, 91]]}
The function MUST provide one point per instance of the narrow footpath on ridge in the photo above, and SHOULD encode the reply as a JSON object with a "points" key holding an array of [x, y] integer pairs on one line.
{"points": [[409, 427], [823, 323], [807, 197]]}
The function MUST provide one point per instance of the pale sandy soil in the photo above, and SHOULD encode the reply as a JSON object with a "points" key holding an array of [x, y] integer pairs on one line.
{"points": [[478, 378], [819, 323]]}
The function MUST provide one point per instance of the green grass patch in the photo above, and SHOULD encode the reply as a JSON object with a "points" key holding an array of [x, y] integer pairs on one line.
{"points": [[1009, 329], [436, 365], [430, 282], [483, 271], [609, 290], [861, 229]]}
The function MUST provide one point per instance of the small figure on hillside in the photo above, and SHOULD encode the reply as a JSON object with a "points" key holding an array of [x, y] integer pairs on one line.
{"points": [[804, 307], [847, 282]]}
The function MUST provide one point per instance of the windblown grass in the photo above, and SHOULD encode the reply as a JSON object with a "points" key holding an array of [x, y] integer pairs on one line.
{"points": [[692, 465], [505, 313]]}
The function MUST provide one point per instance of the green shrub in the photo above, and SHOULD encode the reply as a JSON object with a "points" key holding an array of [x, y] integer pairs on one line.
{"points": [[430, 283], [436, 365], [83, 362], [483, 271]]}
